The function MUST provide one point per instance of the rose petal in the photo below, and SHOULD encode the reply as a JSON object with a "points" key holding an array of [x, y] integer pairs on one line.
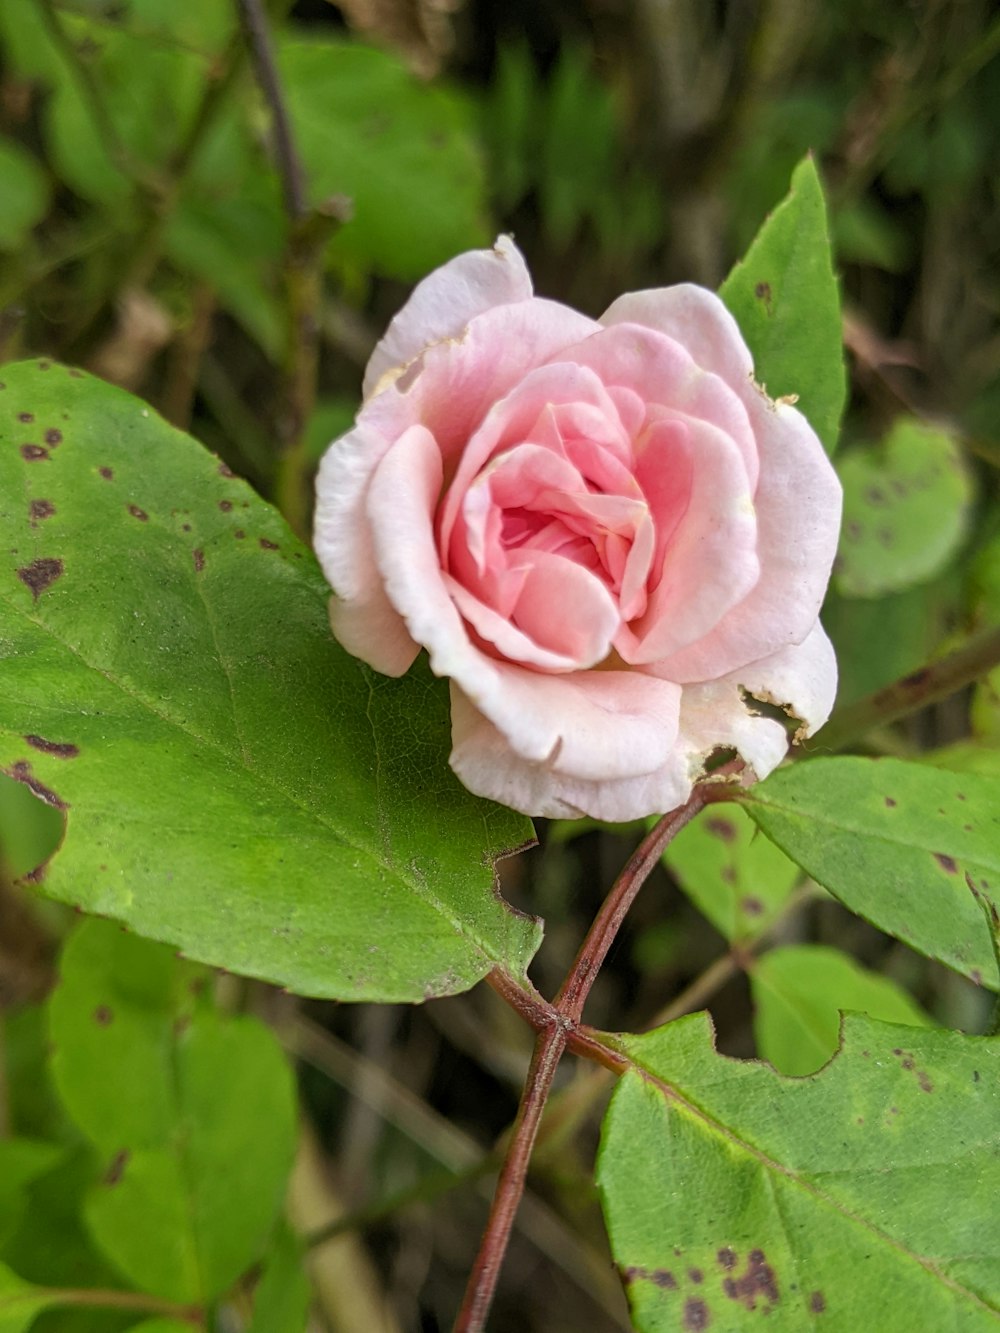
{"points": [[452, 385], [710, 561], [797, 498], [801, 679], [484, 761], [443, 304], [599, 726], [595, 724], [661, 370], [510, 421], [361, 615]]}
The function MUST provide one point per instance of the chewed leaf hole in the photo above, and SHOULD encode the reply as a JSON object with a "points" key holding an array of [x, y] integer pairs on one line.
{"points": [[30, 829]]}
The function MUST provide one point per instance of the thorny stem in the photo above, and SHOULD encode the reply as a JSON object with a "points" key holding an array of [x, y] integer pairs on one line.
{"points": [[915, 691], [558, 1026]]}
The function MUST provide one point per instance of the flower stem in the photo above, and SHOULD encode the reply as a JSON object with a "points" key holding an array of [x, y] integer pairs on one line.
{"points": [[482, 1283], [558, 1027], [594, 949]]}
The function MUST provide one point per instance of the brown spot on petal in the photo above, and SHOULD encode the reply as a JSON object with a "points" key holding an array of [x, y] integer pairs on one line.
{"points": [[40, 574]]}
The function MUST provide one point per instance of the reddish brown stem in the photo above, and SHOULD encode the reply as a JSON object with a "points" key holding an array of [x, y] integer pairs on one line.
{"points": [[594, 949], [558, 1026], [483, 1279]]}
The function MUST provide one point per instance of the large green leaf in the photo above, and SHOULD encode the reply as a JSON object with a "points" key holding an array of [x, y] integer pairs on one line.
{"points": [[232, 782], [906, 509], [906, 846], [783, 294], [402, 151], [799, 993], [197, 1141], [863, 1197]]}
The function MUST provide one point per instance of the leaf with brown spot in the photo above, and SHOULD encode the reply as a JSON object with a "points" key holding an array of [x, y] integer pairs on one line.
{"points": [[893, 841], [243, 790], [793, 1198]]}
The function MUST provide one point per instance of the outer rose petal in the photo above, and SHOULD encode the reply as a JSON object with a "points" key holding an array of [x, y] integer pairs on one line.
{"points": [[714, 714], [482, 758], [444, 303], [361, 615], [798, 496]]}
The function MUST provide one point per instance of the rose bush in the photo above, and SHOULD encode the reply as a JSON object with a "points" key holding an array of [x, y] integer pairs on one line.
{"points": [[604, 533]]}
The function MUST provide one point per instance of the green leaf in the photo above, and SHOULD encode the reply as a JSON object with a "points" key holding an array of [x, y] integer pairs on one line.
{"points": [[283, 1293], [906, 510], [24, 194], [161, 1326], [232, 782], [199, 1137], [20, 1302], [904, 845], [784, 297], [21, 1162], [402, 151], [735, 876], [861, 1197], [150, 90], [799, 993]]}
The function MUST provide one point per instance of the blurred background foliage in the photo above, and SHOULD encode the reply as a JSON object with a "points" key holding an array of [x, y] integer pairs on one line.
{"points": [[146, 233]]}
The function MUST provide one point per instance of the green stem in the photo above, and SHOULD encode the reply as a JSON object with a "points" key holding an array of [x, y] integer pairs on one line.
{"points": [[96, 1298]]}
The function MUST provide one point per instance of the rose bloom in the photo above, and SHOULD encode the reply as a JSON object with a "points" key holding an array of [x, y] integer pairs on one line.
{"points": [[605, 534]]}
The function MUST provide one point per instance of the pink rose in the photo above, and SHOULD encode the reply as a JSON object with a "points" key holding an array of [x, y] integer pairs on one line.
{"points": [[603, 532]]}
